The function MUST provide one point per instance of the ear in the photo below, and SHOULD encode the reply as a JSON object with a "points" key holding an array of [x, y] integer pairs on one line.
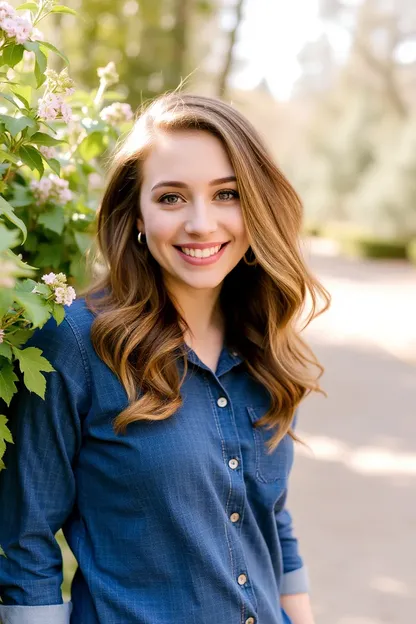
{"points": [[140, 224]]}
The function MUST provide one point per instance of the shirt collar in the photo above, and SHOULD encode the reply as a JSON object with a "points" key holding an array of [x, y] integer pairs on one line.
{"points": [[229, 358]]}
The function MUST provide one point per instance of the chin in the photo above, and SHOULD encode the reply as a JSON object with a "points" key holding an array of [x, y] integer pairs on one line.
{"points": [[204, 284]]}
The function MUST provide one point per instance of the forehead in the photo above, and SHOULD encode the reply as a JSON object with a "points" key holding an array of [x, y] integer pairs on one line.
{"points": [[187, 156]]}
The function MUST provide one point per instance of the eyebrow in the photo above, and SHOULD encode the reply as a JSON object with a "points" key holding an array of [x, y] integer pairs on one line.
{"points": [[183, 185]]}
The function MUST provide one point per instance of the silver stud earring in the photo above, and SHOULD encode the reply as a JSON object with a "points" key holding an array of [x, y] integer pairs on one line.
{"points": [[140, 237]]}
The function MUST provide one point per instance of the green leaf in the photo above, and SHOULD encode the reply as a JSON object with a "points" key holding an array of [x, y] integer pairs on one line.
{"points": [[39, 75], [42, 288], [83, 241], [32, 158], [2, 553], [7, 210], [32, 364], [49, 46], [54, 164], [18, 261], [93, 145], [58, 313], [12, 54], [60, 8], [41, 61], [23, 100], [7, 381], [8, 238], [41, 138], [16, 124], [4, 430], [5, 350], [35, 308], [21, 197], [6, 300], [26, 286], [19, 337], [10, 99], [9, 157], [49, 255], [53, 219], [5, 436], [29, 6]]}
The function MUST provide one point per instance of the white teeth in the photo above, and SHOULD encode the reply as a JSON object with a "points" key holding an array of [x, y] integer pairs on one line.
{"points": [[201, 253]]}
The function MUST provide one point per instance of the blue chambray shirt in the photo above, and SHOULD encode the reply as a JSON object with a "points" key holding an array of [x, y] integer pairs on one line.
{"points": [[180, 520]]}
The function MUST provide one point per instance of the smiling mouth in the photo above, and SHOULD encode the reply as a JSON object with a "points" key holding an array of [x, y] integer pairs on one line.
{"points": [[207, 252]]}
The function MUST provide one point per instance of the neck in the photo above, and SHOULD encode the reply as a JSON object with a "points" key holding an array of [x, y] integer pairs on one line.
{"points": [[201, 311]]}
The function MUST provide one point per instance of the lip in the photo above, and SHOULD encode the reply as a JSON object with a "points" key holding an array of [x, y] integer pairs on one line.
{"points": [[202, 261]]}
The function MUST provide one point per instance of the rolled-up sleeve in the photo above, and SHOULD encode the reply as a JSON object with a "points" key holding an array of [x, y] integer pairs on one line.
{"points": [[295, 575], [37, 488], [49, 614]]}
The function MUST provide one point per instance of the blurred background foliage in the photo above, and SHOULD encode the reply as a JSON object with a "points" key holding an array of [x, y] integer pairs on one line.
{"points": [[346, 134]]}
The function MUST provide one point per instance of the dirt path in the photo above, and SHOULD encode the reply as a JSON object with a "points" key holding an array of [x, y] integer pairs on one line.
{"points": [[353, 495]]}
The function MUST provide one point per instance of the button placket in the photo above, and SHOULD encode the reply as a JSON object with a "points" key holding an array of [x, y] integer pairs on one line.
{"points": [[235, 502]]}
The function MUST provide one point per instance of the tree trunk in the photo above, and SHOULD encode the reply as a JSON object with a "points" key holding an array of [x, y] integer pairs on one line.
{"points": [[180, 41], [232, 38]]}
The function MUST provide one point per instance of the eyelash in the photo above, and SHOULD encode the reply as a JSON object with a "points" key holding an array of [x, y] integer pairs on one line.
{"points": [[160, 200]]}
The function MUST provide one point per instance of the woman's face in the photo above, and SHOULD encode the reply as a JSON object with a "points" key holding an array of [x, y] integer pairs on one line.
{"points": [[191, 211]]}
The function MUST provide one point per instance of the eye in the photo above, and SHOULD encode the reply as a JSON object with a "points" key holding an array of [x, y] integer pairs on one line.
{"points": [[168, 197], [228, 195]]}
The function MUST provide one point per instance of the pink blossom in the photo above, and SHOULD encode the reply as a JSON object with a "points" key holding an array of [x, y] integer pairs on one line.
{"points": [[49, 278], [117, 113], [66, 112], [52, 105], [52, 189], [48, 152], [65, 295], [6, 10], [23, 30], [15, 26]]}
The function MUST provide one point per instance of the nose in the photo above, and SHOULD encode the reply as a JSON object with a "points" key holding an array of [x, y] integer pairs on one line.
{"points": [[201, 219]]}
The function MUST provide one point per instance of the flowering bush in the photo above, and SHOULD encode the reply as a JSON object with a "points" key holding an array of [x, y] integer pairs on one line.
{"points": [[52, 142]]}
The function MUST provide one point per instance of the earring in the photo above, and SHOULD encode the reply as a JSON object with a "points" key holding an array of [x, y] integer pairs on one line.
{"points": [[139, 238], [250, 262]]}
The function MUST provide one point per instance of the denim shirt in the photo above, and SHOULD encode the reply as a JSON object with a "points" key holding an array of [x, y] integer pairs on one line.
{"points": [[182, 519]]}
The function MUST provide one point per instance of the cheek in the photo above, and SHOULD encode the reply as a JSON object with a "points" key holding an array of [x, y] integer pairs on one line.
{"points": [[160, 228]]}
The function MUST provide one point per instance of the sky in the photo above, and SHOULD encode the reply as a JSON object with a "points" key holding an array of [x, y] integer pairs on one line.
{"points": [[272, 34]]}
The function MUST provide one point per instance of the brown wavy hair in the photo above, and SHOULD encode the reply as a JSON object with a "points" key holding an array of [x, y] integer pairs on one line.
{"points": [[138, 331]]}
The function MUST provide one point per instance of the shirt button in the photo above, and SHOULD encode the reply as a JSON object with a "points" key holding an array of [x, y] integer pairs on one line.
{"points": [[250, 620], [242, 579], [233, 463], [235, 517], [222, 402]]}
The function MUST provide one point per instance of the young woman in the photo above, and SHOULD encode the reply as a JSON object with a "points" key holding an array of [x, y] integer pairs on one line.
{"points": [[164, 444]]}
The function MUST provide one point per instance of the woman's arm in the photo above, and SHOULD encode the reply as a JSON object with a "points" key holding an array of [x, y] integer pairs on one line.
{"points": [[37, 488], [298, 607]]}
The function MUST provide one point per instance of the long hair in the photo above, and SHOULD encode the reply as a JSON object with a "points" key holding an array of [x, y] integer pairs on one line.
{"points": [[138, 331]]}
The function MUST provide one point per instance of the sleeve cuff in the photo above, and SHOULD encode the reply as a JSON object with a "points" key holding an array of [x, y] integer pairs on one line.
{"points": [[295, 582], [48, 614]]}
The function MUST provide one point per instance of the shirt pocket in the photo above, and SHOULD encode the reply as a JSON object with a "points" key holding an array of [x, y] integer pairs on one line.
{"points": [[274, 466]]}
